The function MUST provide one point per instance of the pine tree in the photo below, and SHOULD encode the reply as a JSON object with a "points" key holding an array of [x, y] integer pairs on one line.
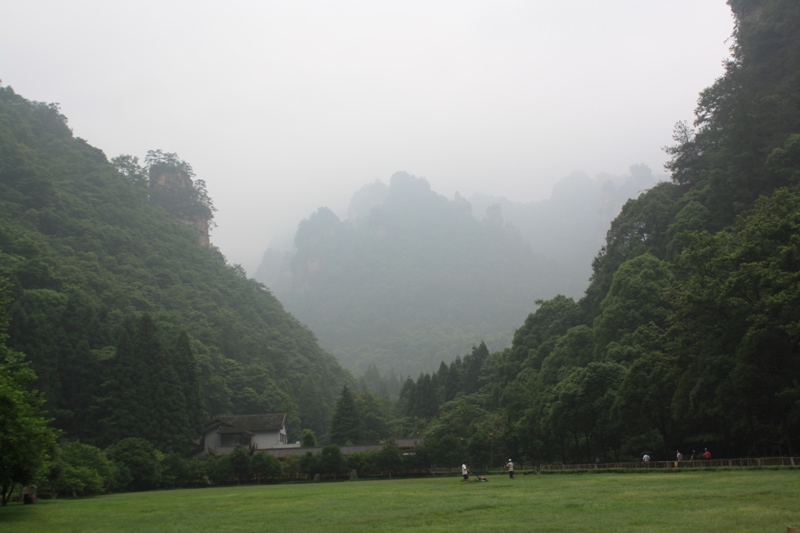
{"points": [[406, 403], [123, 390], [166, 421], [310, 401], [185, 365], [473, 364], [453, 383], [426, 404], [346, 424], [145, 396]]}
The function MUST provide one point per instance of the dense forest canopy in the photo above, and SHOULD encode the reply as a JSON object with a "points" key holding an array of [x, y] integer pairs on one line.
{"points": [[117, 304]]}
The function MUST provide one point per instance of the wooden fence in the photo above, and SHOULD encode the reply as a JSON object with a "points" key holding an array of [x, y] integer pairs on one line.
{"points": [[663, 465]]}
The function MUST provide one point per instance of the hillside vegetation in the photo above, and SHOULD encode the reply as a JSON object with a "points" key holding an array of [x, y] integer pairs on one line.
{"points": [[132, 326]]}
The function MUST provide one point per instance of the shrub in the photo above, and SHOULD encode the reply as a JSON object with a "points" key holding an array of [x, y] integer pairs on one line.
{"points": [[139, 465], [265, 466]]}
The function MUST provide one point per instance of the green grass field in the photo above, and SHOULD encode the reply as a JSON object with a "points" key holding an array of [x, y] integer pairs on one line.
{"points": [[726, 501]]}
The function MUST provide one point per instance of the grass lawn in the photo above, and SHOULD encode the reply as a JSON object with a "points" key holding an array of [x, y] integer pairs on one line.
{"points": [[756, 500]]}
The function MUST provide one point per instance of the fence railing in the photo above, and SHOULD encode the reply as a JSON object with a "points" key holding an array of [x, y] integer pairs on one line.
{"points": [[661, 465]]}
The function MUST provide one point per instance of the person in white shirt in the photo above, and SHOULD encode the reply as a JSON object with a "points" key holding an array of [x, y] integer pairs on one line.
{"points": [[465, 471], [510, 467]]}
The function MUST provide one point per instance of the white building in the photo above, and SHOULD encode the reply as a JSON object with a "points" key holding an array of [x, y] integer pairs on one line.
{"points": [[260, 432]]}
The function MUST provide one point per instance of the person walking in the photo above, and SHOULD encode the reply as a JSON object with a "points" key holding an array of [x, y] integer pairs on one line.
{"points": [[679, 456], [510, 466], [646, 460], [465, 471]]}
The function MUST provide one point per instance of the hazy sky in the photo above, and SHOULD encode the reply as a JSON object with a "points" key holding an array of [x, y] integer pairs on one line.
{"points": [[286, 106]]}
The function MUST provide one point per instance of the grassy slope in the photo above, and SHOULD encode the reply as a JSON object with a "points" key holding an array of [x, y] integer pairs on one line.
{"points": [[694, 501]]}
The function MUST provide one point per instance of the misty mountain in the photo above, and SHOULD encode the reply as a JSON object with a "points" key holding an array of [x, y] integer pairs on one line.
{"points": [[570, 227], [412, 278]]}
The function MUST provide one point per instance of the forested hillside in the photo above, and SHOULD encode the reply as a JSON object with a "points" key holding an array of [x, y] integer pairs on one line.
{"points": [[688, 335], [411, 278], [133, 327]]}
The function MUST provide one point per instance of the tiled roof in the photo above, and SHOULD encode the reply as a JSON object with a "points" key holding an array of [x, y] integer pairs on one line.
{"points": [[248, 423], [233, 430], [280, 453]]}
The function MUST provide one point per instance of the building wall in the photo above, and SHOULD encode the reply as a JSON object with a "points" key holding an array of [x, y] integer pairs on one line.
{"points": [[262, 440], [269, 439], [212, 440]]}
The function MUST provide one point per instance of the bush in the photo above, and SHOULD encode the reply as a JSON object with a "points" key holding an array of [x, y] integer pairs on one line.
{"points": [[308, 439], [77, 469], [220, 470], [390, 459], [240, 463], [331, 461], [291, 466], [199, 468], [139, 466], [265, 466], [175, 471], [310, 464], [364, 463]]}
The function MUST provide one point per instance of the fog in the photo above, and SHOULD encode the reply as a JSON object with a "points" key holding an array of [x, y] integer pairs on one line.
{"points": [[286, 106]]}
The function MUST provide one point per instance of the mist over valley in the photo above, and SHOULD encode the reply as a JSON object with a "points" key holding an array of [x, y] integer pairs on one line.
{"points": [[410, 278]]}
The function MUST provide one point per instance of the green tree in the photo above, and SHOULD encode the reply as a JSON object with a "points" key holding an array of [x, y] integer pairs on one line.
{"points": [[346, 423], [312, 405], [176, 471], [739, 382], [185, 365], [308, 439], [634, 313], [78, 469], [239, 460], [221, 470], [265, 466], [25, 436], [390, 458], [426, 401], [331, 460], [644, 400], [139, 461], [473, 368], [309, 464], [479, 448], [375, 415]]}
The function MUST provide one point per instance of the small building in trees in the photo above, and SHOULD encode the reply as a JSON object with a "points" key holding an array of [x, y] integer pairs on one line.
{"points": [[260, 432]]}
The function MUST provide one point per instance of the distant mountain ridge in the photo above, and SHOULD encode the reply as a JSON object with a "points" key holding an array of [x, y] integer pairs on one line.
{"points": [[412, 278], [570, 227]]}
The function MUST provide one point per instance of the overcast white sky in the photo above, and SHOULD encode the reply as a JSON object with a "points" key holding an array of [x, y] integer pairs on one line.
{"points": [[286, 106]]}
